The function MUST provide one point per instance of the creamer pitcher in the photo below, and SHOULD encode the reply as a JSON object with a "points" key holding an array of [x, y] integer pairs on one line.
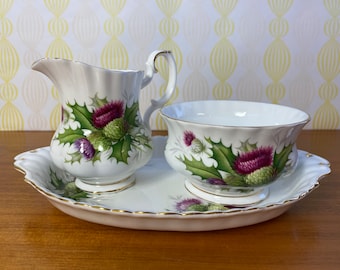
{"points": [[102, 139]]}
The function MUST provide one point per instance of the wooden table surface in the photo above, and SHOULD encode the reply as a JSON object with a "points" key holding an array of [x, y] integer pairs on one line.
{"points": [[36, 235]]}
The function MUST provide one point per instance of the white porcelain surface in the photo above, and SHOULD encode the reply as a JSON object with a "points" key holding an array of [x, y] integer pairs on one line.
{"points": [[159, 199], [232, 147], [235, 113]]}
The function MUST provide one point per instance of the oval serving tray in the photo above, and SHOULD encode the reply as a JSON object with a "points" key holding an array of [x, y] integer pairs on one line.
{"points": [[159, 200]]}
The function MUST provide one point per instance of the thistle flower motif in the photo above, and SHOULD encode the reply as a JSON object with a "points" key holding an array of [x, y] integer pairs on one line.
{"points": [[251, 166], [196, 144], [215, 181], [105, 114], [85, 148], [197, 205], [253, 160], [189, 136], [103, 126], [186, 203]]}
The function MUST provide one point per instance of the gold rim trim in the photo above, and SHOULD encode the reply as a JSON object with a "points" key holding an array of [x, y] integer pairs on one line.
{"points": [[160, 214], [224, 195], [115, 190]]}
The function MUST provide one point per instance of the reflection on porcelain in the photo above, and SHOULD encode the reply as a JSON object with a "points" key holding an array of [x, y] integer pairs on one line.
{"points": [[232, 148], [159, 200], [102, 139]]}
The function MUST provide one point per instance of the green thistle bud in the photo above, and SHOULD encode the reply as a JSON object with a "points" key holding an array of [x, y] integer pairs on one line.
{"points": [[70, 188], [216, 207], [197, 146], [116, 129], [261, 176], [197, 207]]}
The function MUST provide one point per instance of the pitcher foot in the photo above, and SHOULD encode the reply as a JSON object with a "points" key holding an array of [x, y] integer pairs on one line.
{"points": [[114, 187]]}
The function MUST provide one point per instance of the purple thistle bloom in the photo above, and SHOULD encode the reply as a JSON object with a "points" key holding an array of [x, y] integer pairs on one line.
{"points": [[105, 114], [184, 204], [253, 160], [189, 136], [215, 181], [85, 147]]}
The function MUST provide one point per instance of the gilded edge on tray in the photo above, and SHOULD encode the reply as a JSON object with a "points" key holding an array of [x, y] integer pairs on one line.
{"points": [[97, 207]]}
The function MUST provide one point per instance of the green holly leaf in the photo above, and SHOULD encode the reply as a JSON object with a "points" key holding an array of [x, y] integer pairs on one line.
{"points": [[70, 189], [196, 167], [75, 157], [65, 115], [141, 139], [247, 147], [70, 135], [83, 116], [223, 155], [56, 181], [235, 180], [99, 141], [280, 159], [73, 192], [131, 114], [120, 150], [96, 156], [98, 102]]}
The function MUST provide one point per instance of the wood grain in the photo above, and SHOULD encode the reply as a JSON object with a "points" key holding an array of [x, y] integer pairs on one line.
{"points": [[35, 235]]}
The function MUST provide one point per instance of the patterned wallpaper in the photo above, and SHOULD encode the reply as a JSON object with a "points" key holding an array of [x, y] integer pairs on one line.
{"points": [[277, 51]]}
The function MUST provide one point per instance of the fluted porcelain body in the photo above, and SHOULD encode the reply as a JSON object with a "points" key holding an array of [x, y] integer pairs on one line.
{"points": [[232, 148], [102, 138]]}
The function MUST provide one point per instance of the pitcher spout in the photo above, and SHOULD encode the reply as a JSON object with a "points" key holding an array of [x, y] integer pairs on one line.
{"points": [[57, 70]]}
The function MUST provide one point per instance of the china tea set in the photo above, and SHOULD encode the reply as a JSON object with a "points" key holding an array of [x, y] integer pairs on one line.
{"points": [[230, 152]]}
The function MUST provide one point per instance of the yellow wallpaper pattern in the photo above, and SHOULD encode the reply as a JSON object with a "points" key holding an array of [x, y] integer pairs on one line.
{"points": [[327, 115], [277, 51]]}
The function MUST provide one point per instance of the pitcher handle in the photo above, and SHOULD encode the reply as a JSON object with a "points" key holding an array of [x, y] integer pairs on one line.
{"points": [[171, 86]]}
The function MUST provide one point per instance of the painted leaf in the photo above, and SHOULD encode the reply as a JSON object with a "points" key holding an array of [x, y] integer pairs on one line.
{"points": [[56, 181], [96, 156], [65, 115], [70, 135], [120, 150], [131, 114], [70, 189], [280, 159], [99, 141], [83, 116], [196, 167], [235, 180], [73, 192], [98, 102], [141, 139], [223, 155], [75, 157], [247, 147]]}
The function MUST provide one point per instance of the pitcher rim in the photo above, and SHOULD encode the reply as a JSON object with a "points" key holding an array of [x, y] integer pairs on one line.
{"points": [[78, 62]]}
